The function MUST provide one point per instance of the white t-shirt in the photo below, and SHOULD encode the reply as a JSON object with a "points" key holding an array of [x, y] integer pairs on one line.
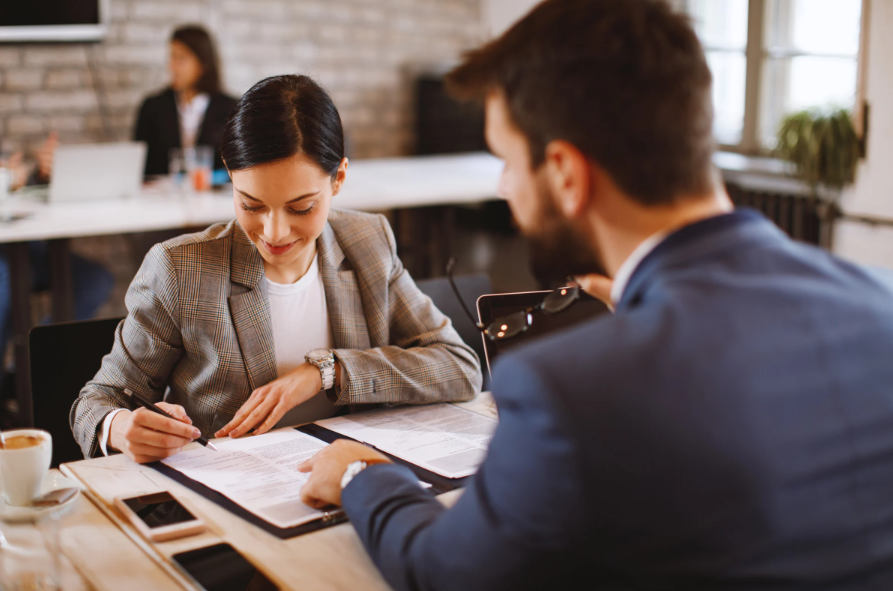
{"points": [[300, 324]]}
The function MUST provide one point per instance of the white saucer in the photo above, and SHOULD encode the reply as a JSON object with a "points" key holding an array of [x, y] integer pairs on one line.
{"points": [[52, 481]]}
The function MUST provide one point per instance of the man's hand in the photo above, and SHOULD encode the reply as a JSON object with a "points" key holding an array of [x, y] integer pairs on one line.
{"points": [[328, 466], [598, 286], [145, 436], [269, 403]]}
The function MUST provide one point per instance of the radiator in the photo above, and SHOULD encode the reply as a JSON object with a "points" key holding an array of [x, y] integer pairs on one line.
{"points": [[799, 216]]}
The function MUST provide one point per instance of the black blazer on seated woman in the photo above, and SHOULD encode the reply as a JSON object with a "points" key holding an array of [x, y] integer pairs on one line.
{"points": [[158, 125]]}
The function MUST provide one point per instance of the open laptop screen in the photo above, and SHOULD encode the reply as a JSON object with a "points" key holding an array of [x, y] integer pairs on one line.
{"points": [[491, 307]]}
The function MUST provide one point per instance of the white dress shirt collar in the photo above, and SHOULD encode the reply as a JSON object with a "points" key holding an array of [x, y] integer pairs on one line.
{"points": [[629, 266]]}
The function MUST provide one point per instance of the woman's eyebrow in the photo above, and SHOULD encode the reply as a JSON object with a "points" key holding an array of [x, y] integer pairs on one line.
{"points": [[295, 200]]}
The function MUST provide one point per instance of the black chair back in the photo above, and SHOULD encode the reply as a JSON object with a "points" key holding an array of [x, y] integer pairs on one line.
{"points": [[471, 287], [64, 357]]}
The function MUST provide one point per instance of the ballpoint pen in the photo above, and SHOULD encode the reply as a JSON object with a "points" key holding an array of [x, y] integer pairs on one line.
{"points": [[149, 406]]}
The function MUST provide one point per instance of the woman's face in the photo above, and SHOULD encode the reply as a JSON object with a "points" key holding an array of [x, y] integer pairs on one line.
{"points": [[184, 66], [283, 207]]}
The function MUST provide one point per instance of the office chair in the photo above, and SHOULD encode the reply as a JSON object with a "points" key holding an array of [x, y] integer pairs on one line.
{"points": [[471, 287], [64, 357]]}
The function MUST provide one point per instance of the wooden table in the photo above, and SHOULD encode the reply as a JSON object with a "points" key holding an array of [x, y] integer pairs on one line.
{"points": [[111, 555], [371, 185]]}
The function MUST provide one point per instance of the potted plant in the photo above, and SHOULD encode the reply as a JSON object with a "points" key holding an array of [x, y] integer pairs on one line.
{"points": [[824, 149]]}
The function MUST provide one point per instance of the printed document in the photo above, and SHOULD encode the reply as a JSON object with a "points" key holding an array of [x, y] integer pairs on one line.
{"points": [[259, 473], [442, 438]]}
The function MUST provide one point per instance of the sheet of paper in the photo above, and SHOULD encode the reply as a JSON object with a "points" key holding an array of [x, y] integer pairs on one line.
{"points": [[259, 473], [442, 438]]}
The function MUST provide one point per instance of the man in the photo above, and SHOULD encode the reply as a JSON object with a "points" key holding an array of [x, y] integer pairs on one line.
{"points": [[729, 427]]}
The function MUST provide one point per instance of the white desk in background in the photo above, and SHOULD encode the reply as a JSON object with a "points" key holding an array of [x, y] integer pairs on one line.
{"points": [[372, 185]]}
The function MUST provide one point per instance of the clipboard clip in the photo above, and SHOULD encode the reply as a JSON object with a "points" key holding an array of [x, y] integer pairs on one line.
{"points": [[333, 517]]}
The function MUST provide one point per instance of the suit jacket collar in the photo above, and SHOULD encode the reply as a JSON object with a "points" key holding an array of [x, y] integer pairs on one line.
{"points": [[697, 243], [246, 264]]}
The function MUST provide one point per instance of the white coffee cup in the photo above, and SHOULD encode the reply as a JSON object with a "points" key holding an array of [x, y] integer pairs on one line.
{"points": [[22, 470]]}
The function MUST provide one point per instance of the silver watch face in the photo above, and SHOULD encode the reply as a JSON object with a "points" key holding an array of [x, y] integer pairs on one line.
{"points": [[319, 354]]}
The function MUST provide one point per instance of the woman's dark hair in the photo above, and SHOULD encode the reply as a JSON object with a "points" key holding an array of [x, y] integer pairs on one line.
{"points": [[280, 117], [199, 42]]}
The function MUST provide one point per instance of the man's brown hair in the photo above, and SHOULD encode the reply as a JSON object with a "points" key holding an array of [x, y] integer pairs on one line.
{"points": [[625, 81]]}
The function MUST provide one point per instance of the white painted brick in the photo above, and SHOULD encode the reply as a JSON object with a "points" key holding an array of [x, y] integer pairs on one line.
{"points": [[82, 100], [168, 12], [25, 125], [10, 57], [29, 79], [123, 99], [69, 78], [66, 123], [10, 103], [136, 54], [143, 33], [62, 55]]}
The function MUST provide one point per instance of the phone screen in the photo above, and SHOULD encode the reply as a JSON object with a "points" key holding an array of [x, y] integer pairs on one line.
{"points": [[159, 510], [222, 568]]}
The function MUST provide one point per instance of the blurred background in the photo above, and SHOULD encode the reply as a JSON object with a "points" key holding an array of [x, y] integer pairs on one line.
{"points": [[803, 99]]}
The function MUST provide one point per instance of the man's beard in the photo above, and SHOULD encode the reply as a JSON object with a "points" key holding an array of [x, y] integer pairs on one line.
{"points": [[558, 250]]}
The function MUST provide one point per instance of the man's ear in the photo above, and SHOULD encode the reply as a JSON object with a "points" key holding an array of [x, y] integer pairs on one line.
{"points": [[569, 177]]}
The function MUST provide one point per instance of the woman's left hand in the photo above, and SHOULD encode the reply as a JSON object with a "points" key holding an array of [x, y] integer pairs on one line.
{"points": [[269, 403]]}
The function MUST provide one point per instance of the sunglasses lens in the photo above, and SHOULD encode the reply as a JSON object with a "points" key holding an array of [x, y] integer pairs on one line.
{"points": [[560, 299], [508, 326]]}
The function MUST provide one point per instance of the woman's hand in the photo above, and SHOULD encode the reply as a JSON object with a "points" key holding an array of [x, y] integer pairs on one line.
{"points": [[269, 403], [145, 436]]}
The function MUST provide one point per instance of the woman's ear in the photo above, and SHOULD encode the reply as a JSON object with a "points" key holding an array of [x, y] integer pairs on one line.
{"points": [[340, 176]]}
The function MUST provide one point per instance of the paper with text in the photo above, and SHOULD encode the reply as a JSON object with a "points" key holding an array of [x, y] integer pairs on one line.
{"points": [[442, 438], [258, 473]]}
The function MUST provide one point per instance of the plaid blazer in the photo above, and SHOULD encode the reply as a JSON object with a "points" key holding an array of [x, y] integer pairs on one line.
{"points": [[198, 327]]}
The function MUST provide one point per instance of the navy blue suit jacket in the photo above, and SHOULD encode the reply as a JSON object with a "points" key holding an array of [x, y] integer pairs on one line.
{"points": [[730, 427]]}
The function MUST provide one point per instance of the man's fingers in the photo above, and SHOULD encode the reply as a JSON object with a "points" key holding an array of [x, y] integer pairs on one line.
{"points": [[308, 465], [157, 422]]}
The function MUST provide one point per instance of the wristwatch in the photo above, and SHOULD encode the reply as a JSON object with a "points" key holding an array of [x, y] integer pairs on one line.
{"points": [[324, 360], [352, 470]]}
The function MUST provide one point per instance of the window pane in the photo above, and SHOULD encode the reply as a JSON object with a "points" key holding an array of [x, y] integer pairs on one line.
{"points": [[728, 95], [720, 23], [814, 26], [804, 82]]}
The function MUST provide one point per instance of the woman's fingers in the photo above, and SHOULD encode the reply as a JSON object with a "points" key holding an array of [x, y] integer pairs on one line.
{"points": [[247, 408], [277, 413], [255, 417]]}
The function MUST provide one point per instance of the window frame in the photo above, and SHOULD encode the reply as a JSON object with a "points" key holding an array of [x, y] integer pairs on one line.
{"points": [[756, 58]]}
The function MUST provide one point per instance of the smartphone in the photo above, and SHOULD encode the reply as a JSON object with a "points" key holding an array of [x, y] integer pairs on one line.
{"points": [[221, 568], [159, 516]]}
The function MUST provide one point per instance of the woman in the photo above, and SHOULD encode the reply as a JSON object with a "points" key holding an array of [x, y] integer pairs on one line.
{"points": [[193, 110], [248, 320]]}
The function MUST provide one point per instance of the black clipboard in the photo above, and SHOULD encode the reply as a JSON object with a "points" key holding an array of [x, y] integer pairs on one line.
{"points": [[438, 484]]}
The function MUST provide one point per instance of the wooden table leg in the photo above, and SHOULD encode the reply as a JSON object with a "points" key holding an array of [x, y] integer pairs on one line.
{"points": [[20, 270], [61, 281]]}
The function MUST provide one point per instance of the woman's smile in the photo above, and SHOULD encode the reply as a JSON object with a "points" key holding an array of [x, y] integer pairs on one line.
{"points": [[278, 249]]}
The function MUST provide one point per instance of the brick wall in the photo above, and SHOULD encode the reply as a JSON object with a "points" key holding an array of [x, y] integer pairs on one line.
{"points": [[364, 51]]}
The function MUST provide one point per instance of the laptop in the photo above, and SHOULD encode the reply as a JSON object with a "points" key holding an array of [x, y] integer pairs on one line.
{"points": [[493, 306], [97, 171]]}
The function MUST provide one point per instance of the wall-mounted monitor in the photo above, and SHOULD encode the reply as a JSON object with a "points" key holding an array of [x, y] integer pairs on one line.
{"points": [[24, 21]]}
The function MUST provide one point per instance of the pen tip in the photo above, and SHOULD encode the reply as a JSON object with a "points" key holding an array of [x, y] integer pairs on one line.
{"points": [[211, 445]]}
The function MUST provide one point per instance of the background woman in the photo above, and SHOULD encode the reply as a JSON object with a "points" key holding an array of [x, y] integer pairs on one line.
{"points": [[240, 321], [193, 110]]}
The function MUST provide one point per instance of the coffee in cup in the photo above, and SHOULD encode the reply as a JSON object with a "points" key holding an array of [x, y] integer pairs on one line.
{"points": [[20, 442], [25, 458]]}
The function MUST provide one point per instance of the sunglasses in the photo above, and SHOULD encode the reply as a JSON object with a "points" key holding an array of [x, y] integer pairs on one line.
{"points": [[511, 325]]}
